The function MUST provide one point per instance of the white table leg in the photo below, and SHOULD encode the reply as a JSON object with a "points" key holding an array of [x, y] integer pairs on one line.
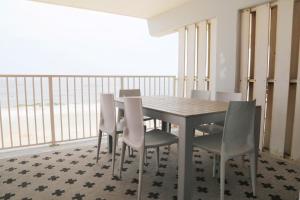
{"points": [[185, 160]]}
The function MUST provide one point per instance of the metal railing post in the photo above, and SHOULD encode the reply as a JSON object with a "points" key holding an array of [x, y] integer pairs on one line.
{"points": [[122, 82], [174, 86], [51, 106]]}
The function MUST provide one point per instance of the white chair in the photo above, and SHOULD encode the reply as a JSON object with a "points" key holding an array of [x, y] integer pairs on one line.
{"points": [[218, 126], [237, 139], [200, 94], [108, 124], [132, 93], [228, 96], [135, 137]]}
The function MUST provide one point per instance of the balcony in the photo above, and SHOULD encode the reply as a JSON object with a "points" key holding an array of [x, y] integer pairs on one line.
{"points": [[58, 116], [49, 124]]}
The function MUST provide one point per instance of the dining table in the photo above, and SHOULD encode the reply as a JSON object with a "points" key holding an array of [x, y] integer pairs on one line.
{"points": [[187, 114]]}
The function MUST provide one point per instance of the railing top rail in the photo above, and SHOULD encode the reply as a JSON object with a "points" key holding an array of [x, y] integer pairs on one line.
{"points": [[84, 76]]}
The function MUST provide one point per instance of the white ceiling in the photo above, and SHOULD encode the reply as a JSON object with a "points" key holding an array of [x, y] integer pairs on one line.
{"points": [[134, 8]]}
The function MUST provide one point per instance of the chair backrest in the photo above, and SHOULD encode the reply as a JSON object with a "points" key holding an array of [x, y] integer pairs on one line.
{"points": [[130, 93], [127, 93], [107, 113], [200, 94], [238, 134], [228, 96], [134, 123]]}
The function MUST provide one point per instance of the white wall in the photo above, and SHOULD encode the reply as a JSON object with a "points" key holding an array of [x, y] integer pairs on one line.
{"points": [[282, 76], [226, 12], [225, 74]]}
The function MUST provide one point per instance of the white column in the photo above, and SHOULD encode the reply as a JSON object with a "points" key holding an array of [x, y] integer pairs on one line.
{"points": [[191, 48], [244, 52], [295, 154], [181, 62], [282, 68], [202, 51], [261, 61], [213, 57]]}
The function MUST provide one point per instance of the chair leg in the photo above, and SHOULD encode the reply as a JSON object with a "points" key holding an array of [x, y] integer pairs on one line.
{"points": [[214, 165], [122, 158], [218, 160], [114, 154], [129, 151], [154, 120], [141, 166], [157, 159], [253, 172], [145, 156], [222, 178], [109, 143], [243, 160], [99, 144]]}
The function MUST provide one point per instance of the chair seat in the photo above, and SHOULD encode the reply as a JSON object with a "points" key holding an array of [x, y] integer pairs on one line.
{"points": [[155, 138], [147, 118], [120, 125], [210, 143], [210, 128]]}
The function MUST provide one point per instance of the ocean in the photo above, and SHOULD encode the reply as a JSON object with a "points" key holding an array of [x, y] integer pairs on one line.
{"points": [[75, 102]]}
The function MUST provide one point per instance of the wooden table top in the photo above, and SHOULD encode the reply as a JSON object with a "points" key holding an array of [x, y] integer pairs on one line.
{"points": [[181, 106]]}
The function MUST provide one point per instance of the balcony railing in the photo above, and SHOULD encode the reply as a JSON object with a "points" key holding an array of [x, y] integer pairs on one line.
{"points": [[48, 109]]}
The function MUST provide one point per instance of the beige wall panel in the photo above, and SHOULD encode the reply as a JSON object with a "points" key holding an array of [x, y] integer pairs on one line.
{"points": [[273, 29], [295, 151], [270, 89], [268, 121], [261, 60], [191, 56], [244, 52], [292, 107], [181, 62], [282, 68], [202, 47], [226, 12], [295, 41], [290, 119]]}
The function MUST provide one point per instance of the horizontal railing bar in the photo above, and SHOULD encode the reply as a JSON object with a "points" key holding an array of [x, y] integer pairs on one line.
{"points": [[46, 143], [105, 76], [25, 145], [83, 138]]}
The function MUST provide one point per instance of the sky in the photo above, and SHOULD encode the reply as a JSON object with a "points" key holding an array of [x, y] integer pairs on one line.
{"points": [[39, 38]]}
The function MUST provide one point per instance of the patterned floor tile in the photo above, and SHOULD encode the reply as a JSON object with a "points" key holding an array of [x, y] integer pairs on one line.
{"points": [[73, 174]]}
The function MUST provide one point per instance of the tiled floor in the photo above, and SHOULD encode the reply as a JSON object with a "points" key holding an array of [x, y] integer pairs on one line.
{"points": [[73, 174]]}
